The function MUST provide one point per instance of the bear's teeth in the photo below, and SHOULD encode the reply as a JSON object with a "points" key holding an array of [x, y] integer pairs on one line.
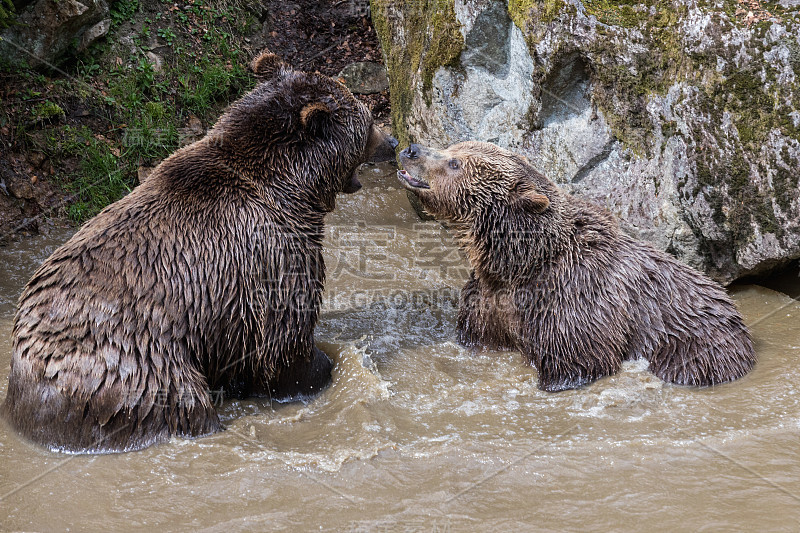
{"points": [[411, 180]]}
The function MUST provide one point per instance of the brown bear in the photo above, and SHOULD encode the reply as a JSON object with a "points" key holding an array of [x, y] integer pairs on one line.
{"points": [[206, 277], [555, 278]]}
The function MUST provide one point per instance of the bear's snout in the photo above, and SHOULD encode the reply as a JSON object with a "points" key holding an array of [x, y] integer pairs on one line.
{"points": [[381, 146], [413, 175], [412, 152]]}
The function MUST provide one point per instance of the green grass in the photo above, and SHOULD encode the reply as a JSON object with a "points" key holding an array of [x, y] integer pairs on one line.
{"points": [[7, 13], [143, 109], [100, 179], [207, 82], [122, 10]]}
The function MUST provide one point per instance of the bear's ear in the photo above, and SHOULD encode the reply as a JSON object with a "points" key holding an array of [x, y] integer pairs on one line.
{"points": [[525, 196], [266, 65], [315, 117]]}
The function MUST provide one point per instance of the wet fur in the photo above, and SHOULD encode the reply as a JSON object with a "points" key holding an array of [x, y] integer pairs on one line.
{"points": [[563, 285], [206, 277]]}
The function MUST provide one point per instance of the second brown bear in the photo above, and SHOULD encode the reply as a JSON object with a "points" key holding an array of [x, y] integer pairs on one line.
{"points": [[554, 277]]}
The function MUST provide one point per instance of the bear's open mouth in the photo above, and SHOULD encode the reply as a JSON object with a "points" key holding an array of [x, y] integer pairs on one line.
{"points": [[411, 181]]}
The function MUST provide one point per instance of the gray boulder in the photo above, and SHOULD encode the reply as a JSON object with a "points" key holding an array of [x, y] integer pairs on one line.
{"points": [[682, 118], [365, 77], [46, 29]]}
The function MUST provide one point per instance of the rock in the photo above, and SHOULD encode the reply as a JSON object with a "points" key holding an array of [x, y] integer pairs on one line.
{"points": [[48, 28], [80, 111], [682, 118], [94, 33], [365, 77], [156, 61], [36, 159], [21, 188]]}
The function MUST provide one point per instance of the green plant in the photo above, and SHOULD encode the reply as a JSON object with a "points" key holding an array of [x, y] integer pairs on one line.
{"points": [[209, 81], [123, 10], [167, 34], [7, 13], [144, 75], [143, 108], [88, 69], [46, 110], [148, 138], [99, 180]]}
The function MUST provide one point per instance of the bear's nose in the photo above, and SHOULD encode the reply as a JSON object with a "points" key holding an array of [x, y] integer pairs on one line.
{"points": [[412, 152]]}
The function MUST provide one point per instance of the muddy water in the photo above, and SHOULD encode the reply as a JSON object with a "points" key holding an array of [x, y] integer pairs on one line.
{"points": [[419, 434]]}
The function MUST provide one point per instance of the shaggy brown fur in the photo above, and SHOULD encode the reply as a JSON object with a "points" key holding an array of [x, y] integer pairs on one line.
{"points": [[554, 277], [208, 276]]}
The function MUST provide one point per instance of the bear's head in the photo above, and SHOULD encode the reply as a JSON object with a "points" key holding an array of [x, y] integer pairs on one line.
{"points": [[470, 180], [300, 131], [508, 217]]}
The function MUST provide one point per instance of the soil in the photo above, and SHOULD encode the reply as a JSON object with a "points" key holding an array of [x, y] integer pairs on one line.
{"points": [[35, 196], [325, 37]]}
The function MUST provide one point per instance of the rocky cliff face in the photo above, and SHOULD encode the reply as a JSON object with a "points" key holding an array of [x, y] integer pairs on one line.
{"points": [[45, 29], [683, 118]]}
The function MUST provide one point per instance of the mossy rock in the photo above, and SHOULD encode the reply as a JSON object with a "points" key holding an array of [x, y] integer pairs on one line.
{"points": [[692, 140]]}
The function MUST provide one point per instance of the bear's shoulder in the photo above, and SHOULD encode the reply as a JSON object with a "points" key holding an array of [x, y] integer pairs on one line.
{"points": [[199, 176]]}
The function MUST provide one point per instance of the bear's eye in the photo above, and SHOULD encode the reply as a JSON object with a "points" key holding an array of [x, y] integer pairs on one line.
{"points": [[455, 164]]}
